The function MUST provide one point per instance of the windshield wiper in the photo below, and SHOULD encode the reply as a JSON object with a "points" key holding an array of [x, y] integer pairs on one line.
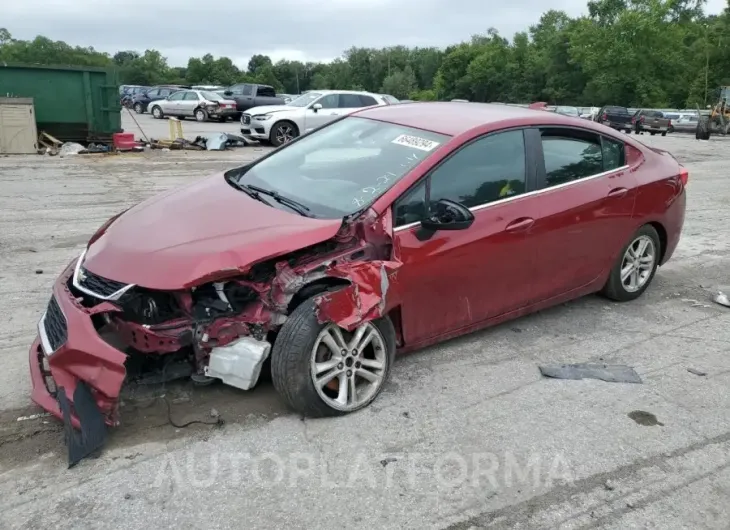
{"points": [[291, 203], [247, 190]]}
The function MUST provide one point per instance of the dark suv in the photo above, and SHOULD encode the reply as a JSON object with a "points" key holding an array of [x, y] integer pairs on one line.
{"points": [[141, 101]]}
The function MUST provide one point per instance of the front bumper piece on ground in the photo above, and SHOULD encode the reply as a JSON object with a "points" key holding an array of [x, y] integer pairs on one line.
{"points": [[75, 374]]}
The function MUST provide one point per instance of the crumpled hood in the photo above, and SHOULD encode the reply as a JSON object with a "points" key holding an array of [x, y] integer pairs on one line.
{"points": [[173, 240], [268, 109]]}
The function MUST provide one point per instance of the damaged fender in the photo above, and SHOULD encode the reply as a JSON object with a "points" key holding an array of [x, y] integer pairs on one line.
{"points": [[373, 291]]}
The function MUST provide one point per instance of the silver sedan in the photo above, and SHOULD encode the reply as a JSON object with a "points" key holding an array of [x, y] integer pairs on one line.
{"points": [[199, 104]]}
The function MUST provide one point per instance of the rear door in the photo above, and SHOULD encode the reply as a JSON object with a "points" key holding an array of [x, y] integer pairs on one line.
{"points": [[455, 279], [587, 201], [189, 103], [351, 102]]}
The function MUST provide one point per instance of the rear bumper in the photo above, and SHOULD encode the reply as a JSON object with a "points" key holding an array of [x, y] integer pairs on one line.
{"points": [[83, 357], [674, 224]]}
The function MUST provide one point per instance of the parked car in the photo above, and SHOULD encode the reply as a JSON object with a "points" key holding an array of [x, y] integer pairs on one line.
{"points": [[615, 117], [568, 111], [248, 96], [685, 123], [199, 104], [142, 100], [651, 121], [360, 240], [129, 93], [286, 97], [280, 124]]}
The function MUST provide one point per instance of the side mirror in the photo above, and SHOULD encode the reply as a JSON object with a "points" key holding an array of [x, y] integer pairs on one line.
{"points": [[447, 215], [316, 107], [227, 93]]}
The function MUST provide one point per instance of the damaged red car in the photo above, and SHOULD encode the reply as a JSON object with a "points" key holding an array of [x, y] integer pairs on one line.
{"points": [[387, 230]]}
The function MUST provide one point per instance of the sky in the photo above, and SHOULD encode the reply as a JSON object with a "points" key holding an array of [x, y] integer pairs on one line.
{"points": [[314, 30]]}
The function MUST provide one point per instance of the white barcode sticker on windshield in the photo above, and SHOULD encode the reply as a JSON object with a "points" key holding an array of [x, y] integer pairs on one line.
{"points": [[416, 142]]}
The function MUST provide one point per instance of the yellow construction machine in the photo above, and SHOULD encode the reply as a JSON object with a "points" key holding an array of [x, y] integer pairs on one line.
{"points": [[718, 119]]}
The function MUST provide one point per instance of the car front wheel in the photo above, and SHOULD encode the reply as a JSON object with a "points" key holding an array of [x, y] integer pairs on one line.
{"points": [[157, 112], [324, 370], [635, 268], [283, 132]]}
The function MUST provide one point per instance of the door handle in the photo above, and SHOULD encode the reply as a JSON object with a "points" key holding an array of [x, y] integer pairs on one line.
{"points": [[523, 223], [618, 192]]}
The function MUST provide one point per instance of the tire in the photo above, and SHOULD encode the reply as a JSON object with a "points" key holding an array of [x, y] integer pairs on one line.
{"points": [[201, 115], [615, 288], [278, 133], [138, 108], [652, 133], [703, 129], [157, 112], [293, 354], [664, 133]]}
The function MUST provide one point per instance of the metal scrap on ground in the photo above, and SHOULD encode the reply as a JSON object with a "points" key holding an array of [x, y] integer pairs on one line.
{"points": [[611, 373], [721, 298]]}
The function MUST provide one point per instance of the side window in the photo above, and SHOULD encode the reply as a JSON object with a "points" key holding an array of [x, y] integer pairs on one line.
{"points": [[330, 101], [411, 206], [237, 90], [247, 90], [570, 155], [350, 101], [177, 96], [486, 170], [164, 92], [153, 93], [266, 92], [613, 152], [191, 96], [367, 101]]}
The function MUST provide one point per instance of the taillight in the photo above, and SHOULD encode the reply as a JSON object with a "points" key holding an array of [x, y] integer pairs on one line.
{"points": [[669, 124], [604, 117], [683, 175], [633, 120]]}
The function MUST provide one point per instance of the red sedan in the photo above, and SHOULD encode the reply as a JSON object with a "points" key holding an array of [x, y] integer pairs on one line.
{"points": [[387, 230]]}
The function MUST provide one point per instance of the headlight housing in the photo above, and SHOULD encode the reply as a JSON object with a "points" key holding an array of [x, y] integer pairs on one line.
{"points": [[262, 117]]}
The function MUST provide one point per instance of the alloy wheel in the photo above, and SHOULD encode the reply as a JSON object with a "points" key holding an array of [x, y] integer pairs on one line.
{"points": [[348, 369], [638, 263]]}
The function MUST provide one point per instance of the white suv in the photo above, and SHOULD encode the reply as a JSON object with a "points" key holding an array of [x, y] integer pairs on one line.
{"points": [[279, 124]]}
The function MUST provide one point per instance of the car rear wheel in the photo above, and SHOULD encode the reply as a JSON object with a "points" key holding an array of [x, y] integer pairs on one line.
{"points": [[324, 370], [201, 115], [635, 268], [157, 112], [283, 132], [138, 108]]}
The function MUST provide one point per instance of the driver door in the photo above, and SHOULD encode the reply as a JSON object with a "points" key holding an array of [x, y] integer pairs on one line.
{"points": [[455, 279], [328, 112]]}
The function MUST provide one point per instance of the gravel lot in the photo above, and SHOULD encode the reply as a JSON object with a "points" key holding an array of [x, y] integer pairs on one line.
{"points": [[466, 435]]}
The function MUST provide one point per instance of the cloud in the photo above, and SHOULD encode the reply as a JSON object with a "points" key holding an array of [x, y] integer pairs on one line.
{"points": [[293, 29]]}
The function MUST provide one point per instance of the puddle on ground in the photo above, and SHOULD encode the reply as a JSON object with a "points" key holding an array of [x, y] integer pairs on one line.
{"points": [[647, 419]]}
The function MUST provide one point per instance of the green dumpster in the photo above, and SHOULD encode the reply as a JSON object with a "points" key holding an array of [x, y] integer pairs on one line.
{"points": [[73, 104]]}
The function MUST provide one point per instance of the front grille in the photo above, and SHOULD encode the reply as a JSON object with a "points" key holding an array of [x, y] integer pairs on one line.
{"points": [[246, 119], [103, 287], [55, 326]]}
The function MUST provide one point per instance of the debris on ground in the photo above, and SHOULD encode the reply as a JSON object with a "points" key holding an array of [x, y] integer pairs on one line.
{"points": [[696, 372], [721, 298], [48, 144], [220, 141], [70, 148], [611, 373], [609, 485]]}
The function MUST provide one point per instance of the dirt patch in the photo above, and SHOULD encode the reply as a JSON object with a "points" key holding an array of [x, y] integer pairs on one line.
{"points": [[145, 418]]}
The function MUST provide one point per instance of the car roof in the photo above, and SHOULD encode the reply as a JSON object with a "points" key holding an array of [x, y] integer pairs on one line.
{"points": [[456, 118], [329, 91]]}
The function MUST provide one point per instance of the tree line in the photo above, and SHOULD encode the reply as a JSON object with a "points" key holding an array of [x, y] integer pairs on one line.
{"points": [[638, 53]]}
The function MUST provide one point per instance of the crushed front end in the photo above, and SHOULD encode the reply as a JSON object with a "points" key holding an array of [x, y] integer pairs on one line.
{"points": [[98, 334]]}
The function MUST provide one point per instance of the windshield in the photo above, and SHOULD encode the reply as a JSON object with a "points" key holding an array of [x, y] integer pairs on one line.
{"points": [[343, 167], [304, 99], [211, 96], [570, 111]]}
